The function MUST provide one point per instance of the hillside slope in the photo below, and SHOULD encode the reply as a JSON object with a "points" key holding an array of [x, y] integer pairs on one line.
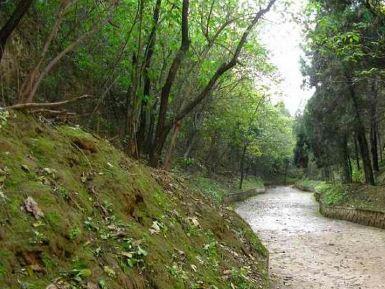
{"points": [[76, 213]]}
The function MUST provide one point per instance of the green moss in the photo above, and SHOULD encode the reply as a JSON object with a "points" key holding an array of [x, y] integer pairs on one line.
{"points": [[99, 209]]}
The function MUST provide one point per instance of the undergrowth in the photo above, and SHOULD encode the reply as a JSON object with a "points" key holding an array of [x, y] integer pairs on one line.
{"points": [[218, 188]]}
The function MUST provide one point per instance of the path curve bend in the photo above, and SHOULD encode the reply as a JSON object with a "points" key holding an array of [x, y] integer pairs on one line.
{"points": [[309, 251]]}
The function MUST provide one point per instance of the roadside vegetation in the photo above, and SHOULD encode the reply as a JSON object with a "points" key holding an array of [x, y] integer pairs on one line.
{"points": [[179, 85], [219, 188], [340, 133]]}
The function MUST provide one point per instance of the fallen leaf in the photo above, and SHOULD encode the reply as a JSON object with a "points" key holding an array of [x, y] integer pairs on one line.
{"points": [[109, 271], [155, 228], [30, 206]]}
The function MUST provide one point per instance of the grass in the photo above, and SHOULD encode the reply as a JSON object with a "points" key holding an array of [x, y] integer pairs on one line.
{"points": [[307, 185], [252, 183], [100, 208], [220, 187], [332, 194], [356, 195]]}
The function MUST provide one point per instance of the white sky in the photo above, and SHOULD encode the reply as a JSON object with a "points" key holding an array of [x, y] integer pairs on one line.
{"points": [[282, 36]]}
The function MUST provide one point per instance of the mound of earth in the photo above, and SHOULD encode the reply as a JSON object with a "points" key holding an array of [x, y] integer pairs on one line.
{"points": [[75, 212]]}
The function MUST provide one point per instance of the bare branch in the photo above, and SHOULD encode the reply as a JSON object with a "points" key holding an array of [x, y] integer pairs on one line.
{"points": [[33, 105]]}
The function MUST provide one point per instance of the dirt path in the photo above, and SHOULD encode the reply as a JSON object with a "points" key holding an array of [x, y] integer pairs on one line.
{"points": [[310, 251]]}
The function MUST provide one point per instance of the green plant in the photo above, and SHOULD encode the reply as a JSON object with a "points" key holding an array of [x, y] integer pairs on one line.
{"points": [[332, 194], [177, 271], [133, 254], [74, 233], [239, 277], [4, 115]]}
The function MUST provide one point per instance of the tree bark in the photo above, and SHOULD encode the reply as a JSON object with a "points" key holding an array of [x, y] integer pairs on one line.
{"points": [[144, 111], [131, 110], [242, 165], [346, 159], [32, 105], [374, 128], [361, 134], [12, 23], [356, 152], [168, 159], [161, 130]]}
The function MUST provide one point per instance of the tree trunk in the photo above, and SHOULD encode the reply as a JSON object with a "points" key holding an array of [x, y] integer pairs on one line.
{"points": [[242, 165], [379, 142], [374, 127], [357, 154], [361, 134], [132, 111], [346, 160], [162, 129], [12, 23], [144, 113], [190, 144], [168, 159], [149, 142]]}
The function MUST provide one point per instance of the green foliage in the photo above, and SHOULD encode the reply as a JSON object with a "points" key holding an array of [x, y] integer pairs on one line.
{"points": [[307, 184], [332, 193], [215, 189], [4, 115], [74, 233], [345, 44]]}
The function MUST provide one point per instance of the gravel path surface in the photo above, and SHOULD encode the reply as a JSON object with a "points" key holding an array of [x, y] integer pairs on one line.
{"points": [[310, 251]]}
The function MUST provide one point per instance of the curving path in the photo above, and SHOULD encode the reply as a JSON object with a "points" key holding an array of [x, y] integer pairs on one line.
{"points": [[310, 251]]}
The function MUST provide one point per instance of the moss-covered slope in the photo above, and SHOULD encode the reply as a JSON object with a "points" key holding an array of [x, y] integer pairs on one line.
{"points": [[76, 213]]}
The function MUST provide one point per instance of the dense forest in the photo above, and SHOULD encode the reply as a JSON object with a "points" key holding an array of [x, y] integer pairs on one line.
{"points": [[174, 83], [341, 131]]}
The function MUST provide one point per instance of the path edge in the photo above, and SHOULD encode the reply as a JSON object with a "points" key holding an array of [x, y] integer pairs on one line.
{"points": [[355, 215], [241, 196]]}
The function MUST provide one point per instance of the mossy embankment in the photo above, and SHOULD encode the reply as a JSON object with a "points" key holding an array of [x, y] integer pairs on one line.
{"points": [[77, 213], [359, 196], [356, 203]]}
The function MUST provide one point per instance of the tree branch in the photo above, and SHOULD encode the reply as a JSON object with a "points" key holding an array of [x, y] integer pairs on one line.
{"points": [[224, 67], [33, 105]]}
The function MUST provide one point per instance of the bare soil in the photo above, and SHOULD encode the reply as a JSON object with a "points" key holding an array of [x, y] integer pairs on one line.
{"points": [[310, 251]]}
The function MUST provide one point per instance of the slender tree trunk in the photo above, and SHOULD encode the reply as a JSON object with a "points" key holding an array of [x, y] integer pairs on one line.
{"points": [[149, 142], [357, 154], [374, 128], [161, 129], [190, 144], [361, 135], [379, 143], [168, 159], [6, 31], [346, 160], [242, 165], [144, 118]]}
